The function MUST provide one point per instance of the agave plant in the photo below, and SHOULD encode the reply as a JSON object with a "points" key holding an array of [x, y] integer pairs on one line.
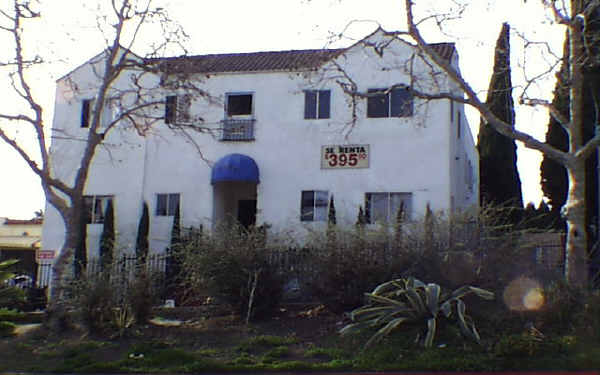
{"points": [[409, 301]]}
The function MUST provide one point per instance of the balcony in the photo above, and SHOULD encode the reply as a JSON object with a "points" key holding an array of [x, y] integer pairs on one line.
{"points": [[237, 130]]}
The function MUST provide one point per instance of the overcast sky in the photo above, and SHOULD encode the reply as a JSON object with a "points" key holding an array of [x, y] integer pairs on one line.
{"points": [[67, 35]]}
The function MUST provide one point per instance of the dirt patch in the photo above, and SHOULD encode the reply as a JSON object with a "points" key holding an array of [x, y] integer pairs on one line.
{"points": [[215, 334]]}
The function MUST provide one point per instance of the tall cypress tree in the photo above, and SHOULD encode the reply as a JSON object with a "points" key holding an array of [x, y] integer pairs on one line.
{"points": [[107, 239], [331, 216], [331, 223], [141, 248], [499, 179], [553, 175]]}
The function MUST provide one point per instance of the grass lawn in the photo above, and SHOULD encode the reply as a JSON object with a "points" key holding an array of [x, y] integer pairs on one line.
{"points": [[297, 338]]}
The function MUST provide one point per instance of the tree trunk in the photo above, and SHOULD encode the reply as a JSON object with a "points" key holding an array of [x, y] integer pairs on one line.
{"points": [[576, 272], [56, 309], [575, 252]]}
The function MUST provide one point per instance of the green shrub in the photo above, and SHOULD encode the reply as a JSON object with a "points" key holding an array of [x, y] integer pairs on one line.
{"points": [[168, 357], [10, 296], [7, 328], [564, 307], [11, 315], [526, 346], [277, 352]]}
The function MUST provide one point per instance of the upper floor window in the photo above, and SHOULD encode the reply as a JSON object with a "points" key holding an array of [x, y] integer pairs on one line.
{"points": [[383, 207], [177, 109], [397, 102], [317, 104], [238, 104], [313, 205], [86, 112], [167, 204], [95, 208], [458, 124], [107, 117]]}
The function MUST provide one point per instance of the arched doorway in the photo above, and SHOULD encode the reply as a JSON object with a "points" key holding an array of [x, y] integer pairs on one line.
{"points": [[234, 178]]}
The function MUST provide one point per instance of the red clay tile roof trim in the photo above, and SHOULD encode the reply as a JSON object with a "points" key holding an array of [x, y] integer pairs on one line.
{"points": [[23, 222], [292, 60]]}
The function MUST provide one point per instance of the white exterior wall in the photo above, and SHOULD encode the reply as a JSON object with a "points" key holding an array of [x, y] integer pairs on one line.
{"points": [[413, 154]]}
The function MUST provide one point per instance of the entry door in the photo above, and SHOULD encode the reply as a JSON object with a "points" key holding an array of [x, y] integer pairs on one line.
{"points": [[247, 212]]}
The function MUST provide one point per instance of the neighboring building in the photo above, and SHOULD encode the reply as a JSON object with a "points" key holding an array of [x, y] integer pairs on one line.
{"points": [[21, 239], [280, 137]]}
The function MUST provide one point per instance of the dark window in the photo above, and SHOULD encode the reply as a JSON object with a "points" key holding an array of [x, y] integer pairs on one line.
{"points": [[383, 207], [239, 104], [167, 204], [378, 103], [313, 205], [397, 102], [177, 109], [86, 112], [458, 124], [170, 109], [317, 104], [401, 103], [95, 208]]}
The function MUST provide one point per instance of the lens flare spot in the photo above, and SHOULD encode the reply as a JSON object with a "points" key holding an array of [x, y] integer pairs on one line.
{"points": [[533, 299], [523, 294]]}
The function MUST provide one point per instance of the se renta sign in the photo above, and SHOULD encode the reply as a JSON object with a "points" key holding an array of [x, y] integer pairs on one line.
{"points": [[344, 156], [45, 254]]}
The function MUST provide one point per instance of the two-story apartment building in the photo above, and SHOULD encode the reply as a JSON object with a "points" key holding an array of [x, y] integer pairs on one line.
{"points": [[271, 138]]}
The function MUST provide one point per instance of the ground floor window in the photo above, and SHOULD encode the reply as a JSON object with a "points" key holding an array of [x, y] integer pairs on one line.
{"points": [[95, 208], [167, 204], [313, 205], [383, 207]]}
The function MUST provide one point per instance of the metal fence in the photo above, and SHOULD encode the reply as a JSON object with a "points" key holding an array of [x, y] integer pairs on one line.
{"points": [[304, 265], [125, 265], [237, 130]]}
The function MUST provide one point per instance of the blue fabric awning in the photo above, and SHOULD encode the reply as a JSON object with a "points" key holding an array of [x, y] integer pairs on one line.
{"points": [[235, 167]]}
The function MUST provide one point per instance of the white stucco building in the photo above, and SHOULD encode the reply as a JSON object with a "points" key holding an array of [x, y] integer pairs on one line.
{"points": [[281, 134]]}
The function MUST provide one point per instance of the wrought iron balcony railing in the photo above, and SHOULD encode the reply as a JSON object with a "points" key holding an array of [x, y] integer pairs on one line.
{"points": [[237, 130]]}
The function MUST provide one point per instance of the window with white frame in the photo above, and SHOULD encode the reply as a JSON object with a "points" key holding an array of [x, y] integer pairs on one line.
{"points": [[177, 109], [313, 205], [95, 208], [167, 204], [317, 104], [383, 207], [396, 102]]}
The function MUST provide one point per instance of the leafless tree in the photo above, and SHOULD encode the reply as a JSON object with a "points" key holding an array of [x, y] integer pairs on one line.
{"points": [[574, 15], [135, 104], [430, 85]]}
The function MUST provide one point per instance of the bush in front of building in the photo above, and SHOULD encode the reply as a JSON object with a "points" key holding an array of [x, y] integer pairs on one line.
{"points": [[231, 264], [342, 269], [112, 298], [463, 249], [10, 295]]}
